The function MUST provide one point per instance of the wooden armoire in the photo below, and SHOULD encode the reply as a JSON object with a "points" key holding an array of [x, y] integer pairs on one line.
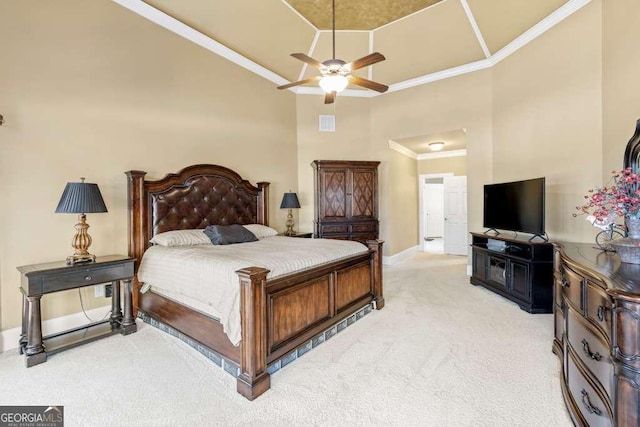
{"points": [[346, 199]]}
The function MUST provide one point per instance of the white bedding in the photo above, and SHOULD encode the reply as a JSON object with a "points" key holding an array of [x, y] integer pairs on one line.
{"points": [[206, 273]]}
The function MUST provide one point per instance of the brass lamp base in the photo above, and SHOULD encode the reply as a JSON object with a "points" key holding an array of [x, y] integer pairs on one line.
{"points": [[81, 242], [79, 259], [289, 225]]}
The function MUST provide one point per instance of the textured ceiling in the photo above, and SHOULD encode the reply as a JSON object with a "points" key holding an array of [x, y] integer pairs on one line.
{"points": [[357, 14], [419, 38], [453, 140]]}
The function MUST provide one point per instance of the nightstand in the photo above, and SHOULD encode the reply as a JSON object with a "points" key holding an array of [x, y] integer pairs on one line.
{"points": [[42, 279], [303, 235]]}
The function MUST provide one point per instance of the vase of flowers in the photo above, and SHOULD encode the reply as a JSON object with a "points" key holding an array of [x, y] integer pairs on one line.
{"points": [[620, 198]]}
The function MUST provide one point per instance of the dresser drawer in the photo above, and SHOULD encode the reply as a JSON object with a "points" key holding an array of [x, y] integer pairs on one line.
{"points": [[591, 404], [571, 283], [598, 307], [87, 276], [591, 350], [334, 228], [364, 228]]}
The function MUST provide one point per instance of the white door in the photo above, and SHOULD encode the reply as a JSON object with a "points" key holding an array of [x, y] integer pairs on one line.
{"points": [[433, 209], [455, 215]]}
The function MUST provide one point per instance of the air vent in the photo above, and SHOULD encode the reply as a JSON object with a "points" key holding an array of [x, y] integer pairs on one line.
{"points": [[327, 123]]}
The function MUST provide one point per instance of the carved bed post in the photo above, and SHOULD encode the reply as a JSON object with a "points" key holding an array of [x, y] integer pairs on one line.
{"points": [[253, 379], [263, 208], [376, 247], [137, 224]]}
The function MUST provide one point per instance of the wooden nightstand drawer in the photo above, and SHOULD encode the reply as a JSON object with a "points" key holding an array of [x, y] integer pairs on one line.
{"points": [[86, 276]]}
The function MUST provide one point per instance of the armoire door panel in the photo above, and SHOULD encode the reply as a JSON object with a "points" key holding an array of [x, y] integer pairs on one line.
{"points": [[364, 194], [334, 185]]}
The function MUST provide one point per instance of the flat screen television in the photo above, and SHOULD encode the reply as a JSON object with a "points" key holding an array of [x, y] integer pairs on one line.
{"points": [[515, 206]]}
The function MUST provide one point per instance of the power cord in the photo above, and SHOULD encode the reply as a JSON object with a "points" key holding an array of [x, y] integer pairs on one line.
{"points": [[85, 313]]}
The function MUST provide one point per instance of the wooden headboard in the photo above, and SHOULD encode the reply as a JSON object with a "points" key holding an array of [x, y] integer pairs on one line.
{"points": [[195, 197]]}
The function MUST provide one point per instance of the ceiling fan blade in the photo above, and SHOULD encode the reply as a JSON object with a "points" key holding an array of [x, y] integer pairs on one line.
{"points": [[365, 61], [309, 60], [378, 87], [329, 97], [300, 82]]}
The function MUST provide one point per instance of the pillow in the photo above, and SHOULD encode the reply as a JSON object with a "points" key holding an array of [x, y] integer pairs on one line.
{"points": [[260, 231], [181, 238], [229, 234]]}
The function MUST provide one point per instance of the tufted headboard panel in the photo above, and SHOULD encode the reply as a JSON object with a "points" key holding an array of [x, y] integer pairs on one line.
{"points": [[195, 197]]}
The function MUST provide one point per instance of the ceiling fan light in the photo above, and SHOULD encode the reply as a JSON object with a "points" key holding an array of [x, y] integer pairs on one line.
{"points": [[436, 146], [334, 83]]}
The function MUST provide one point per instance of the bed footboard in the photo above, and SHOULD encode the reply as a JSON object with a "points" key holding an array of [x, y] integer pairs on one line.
{"points": [[279, 315]]}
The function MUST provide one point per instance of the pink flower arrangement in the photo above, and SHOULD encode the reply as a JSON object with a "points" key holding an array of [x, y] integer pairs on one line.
{"points": [[620, 199]]}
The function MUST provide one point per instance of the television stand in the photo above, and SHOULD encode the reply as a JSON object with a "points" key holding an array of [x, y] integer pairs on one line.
{"points": [[495, 232], [518, 269]]}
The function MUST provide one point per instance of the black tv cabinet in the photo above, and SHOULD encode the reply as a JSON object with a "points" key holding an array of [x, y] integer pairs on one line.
{"points": [[517, 269]]}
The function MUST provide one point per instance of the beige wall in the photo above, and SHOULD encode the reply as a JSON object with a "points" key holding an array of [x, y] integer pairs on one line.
{"points": [[350, 141], [403, 202], [456, 165], [91, 89], [456, 103], [620, 84], [547, 118]]}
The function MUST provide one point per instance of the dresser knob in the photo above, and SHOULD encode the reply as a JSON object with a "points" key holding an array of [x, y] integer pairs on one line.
{"points": [[601, 310], [587, 404], [587, 351], [565, 283], [87, 278]]}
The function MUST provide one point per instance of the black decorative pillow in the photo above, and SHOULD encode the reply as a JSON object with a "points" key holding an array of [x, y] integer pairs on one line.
{"points": [[229, 234]]}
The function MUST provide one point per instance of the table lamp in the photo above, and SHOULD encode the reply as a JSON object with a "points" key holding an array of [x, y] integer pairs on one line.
{"points": [[81, 198], [289, 201]]}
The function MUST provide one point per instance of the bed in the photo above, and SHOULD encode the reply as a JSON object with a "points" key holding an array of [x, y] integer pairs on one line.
{"points": [[277, 315]]}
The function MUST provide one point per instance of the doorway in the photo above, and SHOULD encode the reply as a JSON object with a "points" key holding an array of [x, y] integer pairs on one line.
{"points": [[443, 214]]}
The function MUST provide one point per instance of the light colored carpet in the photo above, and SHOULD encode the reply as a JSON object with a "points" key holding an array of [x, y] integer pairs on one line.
{"points": [[441, 353]]}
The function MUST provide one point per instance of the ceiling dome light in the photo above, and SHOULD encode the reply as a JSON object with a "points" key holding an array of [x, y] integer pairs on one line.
{"points": [[333, 83], [436, 146]]}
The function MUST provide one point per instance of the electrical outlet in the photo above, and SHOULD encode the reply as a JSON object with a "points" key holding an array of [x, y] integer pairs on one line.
{"points": [[108, 290], [98, 291]]}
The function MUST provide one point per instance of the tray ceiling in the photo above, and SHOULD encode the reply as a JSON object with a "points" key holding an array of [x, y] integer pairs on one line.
{"points": [[423, 40]]}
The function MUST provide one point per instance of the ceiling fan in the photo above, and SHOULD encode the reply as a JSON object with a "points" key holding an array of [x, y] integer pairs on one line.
{"points": [[335, 74]]}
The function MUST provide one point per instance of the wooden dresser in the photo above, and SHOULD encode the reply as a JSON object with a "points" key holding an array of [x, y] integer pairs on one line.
{"points": [[597, 335], [346, 199]]}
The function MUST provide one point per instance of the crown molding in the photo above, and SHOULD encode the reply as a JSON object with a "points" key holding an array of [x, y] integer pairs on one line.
{"points": [[443, 154], [402, 149], [476, 29], [158, 17], [354, 93], [550, 21], [440, 75]]}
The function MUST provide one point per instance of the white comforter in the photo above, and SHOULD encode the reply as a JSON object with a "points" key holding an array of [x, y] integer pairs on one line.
{"points": [[206, 273]]}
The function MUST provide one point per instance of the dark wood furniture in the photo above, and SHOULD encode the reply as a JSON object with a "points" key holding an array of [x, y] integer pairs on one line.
{"points": [[41, 279], [597, 335], [301, 235], [346, 199], [277, 315], [517, 269]]}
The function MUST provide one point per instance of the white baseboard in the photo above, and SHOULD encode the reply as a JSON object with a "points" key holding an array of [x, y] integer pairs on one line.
{"points": [[400, 256], [469, 270], [9, 337]]}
